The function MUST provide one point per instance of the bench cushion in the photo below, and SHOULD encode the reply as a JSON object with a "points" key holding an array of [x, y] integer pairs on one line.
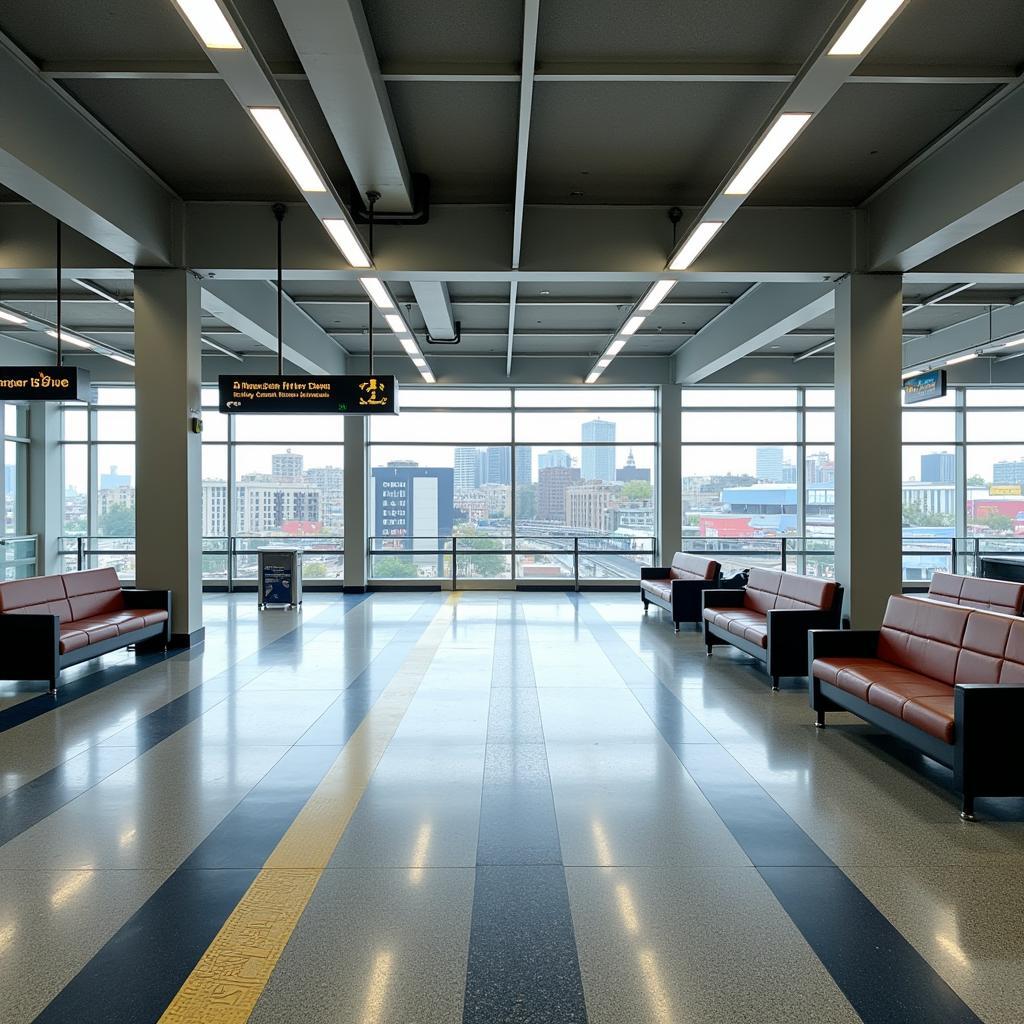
{"points": [[661, 588], [693, 567], [923, 637], [40, 595], [768, 588], [93, 592], [975, 592], [932, 714], [742, 622], [762, 590], [72, 640]]}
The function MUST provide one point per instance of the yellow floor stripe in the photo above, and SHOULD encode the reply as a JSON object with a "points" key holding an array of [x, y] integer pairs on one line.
{"points": [[233, 972]]}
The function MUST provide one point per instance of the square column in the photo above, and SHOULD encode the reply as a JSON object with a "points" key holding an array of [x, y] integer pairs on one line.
{"points": [[356, 529], [869, 463], [670, 502], [168, 390], [45, 495]]}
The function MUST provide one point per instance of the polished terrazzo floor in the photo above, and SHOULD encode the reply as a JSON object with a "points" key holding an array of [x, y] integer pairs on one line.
{"points": [[485, 807]]}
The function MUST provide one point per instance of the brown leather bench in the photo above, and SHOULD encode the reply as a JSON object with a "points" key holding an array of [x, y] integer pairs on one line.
{"points": [[678, 587], [50, 622], [975, 592], [947, 680], [770, 617]]}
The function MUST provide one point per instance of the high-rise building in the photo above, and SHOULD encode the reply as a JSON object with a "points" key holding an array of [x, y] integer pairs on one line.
{"points": [[552, 482], [330, 482], [769, 466], [554, 457], [499, 465], [409, 502], [629, 472], [286, 466], [112, 479], [598, 462], [467, 469], [820, 468], [938, 468], [1008, 472], [263, 506], [524, 465]]}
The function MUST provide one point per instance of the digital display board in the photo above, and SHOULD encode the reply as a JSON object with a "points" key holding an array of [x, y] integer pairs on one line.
{"points": [[347, 395], [44, 384], [924, 387]]}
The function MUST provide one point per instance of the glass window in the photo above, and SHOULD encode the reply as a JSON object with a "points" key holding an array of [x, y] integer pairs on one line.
{"points": [[1011, 398], [820, 397], [737, 426], [10, 419], [115, 426], [742, 398], [820, 427], [452, 427], [76, 490], [596, 398], [995, 426], [454, 398], [566, 428], [929, 426]]}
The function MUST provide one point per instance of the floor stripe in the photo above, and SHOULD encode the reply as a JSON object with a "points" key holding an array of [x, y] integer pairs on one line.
{"points": [[151, 960], [523, 962], [231, 975], [882, 975], [42, 796]]}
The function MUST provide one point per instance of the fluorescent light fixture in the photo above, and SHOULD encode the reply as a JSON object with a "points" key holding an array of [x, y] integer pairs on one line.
{"points": [[419, 362], [654, 296], [281, 136], [694, 245], [865, 25], [962, 359], [632, 325], [410, 345], [396, 323], [427, 376], [347, 241], [70, 339], [592, 376], [615, 347], [208, 20], [603, 363], [1015, 342], [118, 358], [379, 295], [769, 149], [911, 373], [11, 318]]}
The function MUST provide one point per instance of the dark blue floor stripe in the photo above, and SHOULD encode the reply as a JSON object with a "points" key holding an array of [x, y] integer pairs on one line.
{"points": [[884, 978], [523, 963], [38, 799], [152, 960]]}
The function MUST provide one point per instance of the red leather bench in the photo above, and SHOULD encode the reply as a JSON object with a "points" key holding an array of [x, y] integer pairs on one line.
{"points": [[976, 592], [50, 622], [947, 680], [678, 587], [770, 617]]}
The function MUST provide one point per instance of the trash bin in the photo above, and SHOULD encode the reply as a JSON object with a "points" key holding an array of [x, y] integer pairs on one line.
{"points": [[280, 578]]}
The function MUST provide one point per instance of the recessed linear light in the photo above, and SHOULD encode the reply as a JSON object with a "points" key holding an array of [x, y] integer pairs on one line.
{"points": [[347, 241], [11, 318], [770, 148], [396, 323], [70, 339], [632, 325], [655, 294], [117, 357], [428, 376], [911, 373], [206, 17], [865, 25], [285, 143], [695, 244], [1015, 342], [378, 293], [615, 347], [592, 377], [962, 359], [410, 346]]}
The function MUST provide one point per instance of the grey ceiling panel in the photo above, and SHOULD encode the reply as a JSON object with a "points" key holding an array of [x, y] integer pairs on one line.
{"points": [[639, 142]]}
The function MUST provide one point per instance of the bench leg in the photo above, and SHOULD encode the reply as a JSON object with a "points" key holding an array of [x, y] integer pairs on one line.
{"points": [[647, 604], [676, 624], [967, 808], [53, 686], [709, 650], [819, 721], [775, 682]]}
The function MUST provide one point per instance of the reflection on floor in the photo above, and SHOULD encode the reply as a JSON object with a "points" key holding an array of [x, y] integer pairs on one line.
{"points": [[483, 807]]}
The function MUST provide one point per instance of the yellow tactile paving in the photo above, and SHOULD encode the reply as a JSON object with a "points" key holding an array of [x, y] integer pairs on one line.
{"points": [[225, 985]]}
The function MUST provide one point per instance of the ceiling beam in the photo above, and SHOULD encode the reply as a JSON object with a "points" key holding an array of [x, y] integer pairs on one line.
{"points": [[336, 51], [983, 332], [972, 182], [760, 316], [53, 154], [531, 15], [251, 308], [436, 308]]}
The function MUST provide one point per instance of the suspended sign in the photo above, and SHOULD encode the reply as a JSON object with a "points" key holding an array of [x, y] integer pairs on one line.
{"points": [[44, 384], [924, 387], [347, 395]]}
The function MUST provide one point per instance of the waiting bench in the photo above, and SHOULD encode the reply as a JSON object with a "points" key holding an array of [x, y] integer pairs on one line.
{"points": [[48, 623], [770, 617], [975, 592], [947, 680], [678, 587]]}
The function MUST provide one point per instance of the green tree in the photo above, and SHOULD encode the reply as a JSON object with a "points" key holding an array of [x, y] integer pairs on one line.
{"points": [[391, 567], [472, 562], [999, 522], [314, 570], [526, 501], [976, 481], [637, 490], [914, 515], [117, 521]]}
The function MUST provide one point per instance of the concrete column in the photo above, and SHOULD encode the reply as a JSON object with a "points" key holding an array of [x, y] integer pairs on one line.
{"points": [[45, 499], [670, 502], [168, 495], [356, 528], [868, 357]]}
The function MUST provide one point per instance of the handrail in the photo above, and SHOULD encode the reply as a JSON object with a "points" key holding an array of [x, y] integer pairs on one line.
{"points": [[29, 562]]}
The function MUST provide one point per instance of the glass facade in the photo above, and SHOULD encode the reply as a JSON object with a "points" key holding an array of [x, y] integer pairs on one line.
{"points": [[12, 487]]}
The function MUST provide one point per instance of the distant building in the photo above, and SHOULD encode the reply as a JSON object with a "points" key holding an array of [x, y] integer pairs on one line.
{"points": [[262, 506], [215, 508], [1008, 472], [769, 465], [330, 482], [467, 469], [552, 483], [629, 472], [286, 466], [497, 500], [109, 498], [938, 468], [409, 502], [936, 499], [524, 465], [820, 468], [598, 462], [589, 503], [499, 465], [111, 480], [556, 457]]}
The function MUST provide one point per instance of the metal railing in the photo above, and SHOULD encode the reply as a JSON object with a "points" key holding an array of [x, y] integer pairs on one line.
{"points": [[19, 557], [485, 558]]}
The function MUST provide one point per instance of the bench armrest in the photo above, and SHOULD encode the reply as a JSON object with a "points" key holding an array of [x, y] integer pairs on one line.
{"points": [[987, 719], [30, 645], [654, 572], [721, 598], [842, 643], [160, 599]]}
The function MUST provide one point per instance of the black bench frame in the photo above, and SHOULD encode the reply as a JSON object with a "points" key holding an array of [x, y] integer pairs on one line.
{"points": [[686, 604]]}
